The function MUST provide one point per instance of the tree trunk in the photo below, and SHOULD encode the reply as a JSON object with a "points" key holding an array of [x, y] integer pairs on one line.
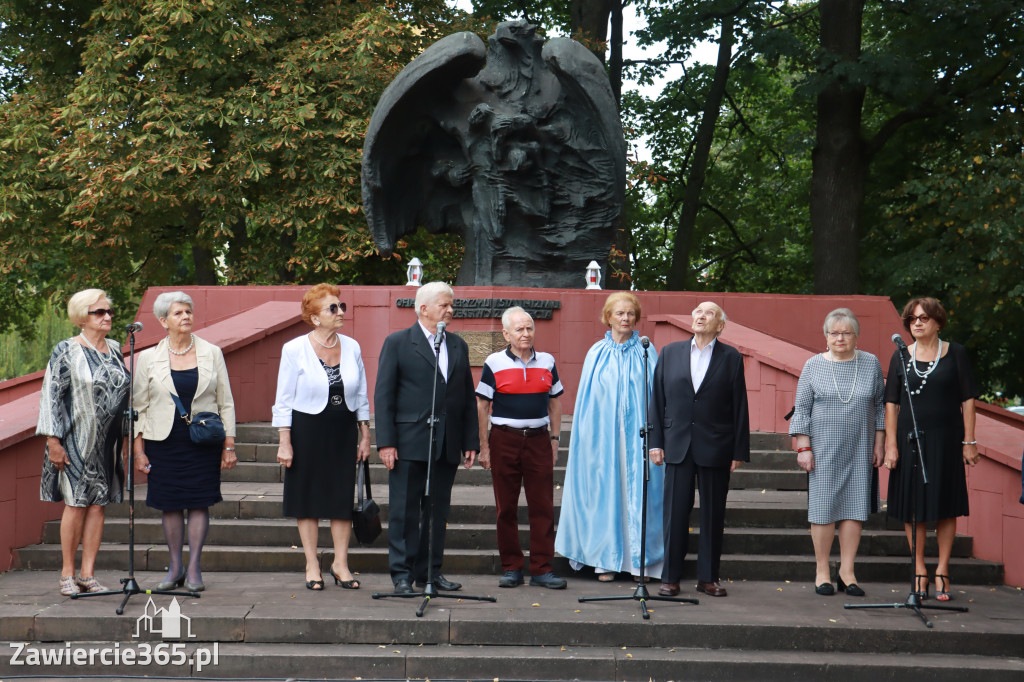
{"points": [[680, 276], [589, 20], [839, 163]]}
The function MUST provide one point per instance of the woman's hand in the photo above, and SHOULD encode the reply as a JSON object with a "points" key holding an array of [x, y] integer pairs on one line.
{"points": [[284, 454], [57, 454], [805, 460], [363, 450], [971, 455], [877, 455], [892, 455], [142, 463], [228, 459]]}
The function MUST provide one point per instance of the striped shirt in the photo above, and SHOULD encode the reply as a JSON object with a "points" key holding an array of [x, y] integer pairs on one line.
{"points": [[519, 390]]}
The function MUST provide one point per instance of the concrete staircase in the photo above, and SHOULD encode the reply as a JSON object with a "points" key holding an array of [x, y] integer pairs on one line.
{"points": [[264, 624]]}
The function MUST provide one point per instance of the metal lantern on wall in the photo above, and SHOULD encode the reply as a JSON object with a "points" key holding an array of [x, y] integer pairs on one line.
{"points": [[414, 273], [593, 275]]}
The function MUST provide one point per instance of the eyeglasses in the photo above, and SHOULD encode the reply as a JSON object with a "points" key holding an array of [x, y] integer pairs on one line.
{"points": [[836, 335], [923, 319], [100, 312], [335, 308]]}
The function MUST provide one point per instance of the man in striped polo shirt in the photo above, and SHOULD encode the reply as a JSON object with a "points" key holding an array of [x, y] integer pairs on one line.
{"points": [[519, 391]]}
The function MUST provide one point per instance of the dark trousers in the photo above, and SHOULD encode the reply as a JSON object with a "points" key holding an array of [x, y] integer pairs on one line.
{"points": [[408, 511], [518, 462], [713, 483]]}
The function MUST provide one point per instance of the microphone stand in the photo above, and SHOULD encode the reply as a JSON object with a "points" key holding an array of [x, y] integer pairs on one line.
{"points": [[430, 591], [913, 601], [130, 586], [641, 594]]}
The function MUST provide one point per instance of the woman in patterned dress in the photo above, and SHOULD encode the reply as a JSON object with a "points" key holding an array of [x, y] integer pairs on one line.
{"points": [[183, 476], [321, 404], [81, 412], [838, 430]]}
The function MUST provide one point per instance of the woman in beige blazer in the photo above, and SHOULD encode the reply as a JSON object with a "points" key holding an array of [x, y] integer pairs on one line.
{"points": [[182, 475]]}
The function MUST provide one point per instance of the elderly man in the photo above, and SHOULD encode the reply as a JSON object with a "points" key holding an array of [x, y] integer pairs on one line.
{"points": [[519, 391], [700, 429], [405, 383]]}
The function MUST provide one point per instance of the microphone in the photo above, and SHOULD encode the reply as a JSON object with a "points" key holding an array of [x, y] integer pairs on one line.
{"points": [[645, 342], [898, 340], [439, 335], [133, 327]]}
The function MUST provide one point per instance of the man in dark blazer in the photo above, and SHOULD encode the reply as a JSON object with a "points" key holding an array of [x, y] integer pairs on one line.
{"points": [[405, 383], [701, 430]]}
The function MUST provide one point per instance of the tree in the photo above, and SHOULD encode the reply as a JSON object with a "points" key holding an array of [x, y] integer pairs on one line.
{"points": [[208, 142]]}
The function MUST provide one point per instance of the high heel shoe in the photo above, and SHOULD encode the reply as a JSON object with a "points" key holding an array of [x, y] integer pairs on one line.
{"points": [[917, 586], [852, 590], [171, 584], [942, 588], [345, 584]]}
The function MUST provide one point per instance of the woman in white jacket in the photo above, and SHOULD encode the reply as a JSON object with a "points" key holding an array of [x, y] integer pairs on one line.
{"points": [[322, 415]]}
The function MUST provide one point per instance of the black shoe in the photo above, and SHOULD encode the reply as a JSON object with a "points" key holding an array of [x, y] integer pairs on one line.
{"points": [[403, 587], [852, 590], [824, 589], [441, 583], [548, 580], [511, 579]]}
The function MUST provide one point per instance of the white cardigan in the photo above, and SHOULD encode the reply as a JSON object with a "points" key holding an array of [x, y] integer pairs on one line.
{"points": [[302, 381]]}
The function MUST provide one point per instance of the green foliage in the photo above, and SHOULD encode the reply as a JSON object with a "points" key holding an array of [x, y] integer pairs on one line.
{"points": [[19, 356]]}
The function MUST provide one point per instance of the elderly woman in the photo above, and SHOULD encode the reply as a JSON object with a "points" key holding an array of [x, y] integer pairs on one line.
{"points": [[182, 475], [321, 404], [838, 431], [943, 388], [81, 412], [600, 519]]}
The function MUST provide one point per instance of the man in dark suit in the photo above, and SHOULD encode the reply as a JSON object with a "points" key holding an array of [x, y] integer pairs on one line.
{"points": [[700, 428], [405, 383]]}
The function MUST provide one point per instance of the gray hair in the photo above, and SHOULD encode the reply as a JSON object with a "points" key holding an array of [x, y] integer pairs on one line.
{"points": [[506, 317], [78, 305], [838, 315], [429, 292], [163, 302]]}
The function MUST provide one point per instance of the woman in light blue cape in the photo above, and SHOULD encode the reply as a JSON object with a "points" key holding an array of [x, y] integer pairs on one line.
{"points": [[600, 518]]}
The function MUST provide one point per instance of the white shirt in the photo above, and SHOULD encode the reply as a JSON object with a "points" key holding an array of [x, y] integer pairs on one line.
{"points": [[442, 360], [700, 360]]}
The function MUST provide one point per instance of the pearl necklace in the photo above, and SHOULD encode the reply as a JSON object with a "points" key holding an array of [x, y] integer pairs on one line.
{"points": [[333, 345], [856, 360], [912, 363], [116, 378], [191, 342]]}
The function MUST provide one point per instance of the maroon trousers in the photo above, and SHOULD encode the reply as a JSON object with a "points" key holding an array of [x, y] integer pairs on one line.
{"points": [[519, 462]]}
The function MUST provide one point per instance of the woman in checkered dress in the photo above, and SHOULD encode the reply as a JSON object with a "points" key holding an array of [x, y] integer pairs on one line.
{"points": [[838, 430]]}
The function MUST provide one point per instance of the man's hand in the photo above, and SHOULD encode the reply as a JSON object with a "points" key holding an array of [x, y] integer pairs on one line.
{"points": [[470, 457], [388, 456], [657, 456]]}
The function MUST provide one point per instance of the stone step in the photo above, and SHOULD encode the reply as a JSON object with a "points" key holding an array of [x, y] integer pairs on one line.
{"points": [[282, 532], [484, 561], [745, 477]]}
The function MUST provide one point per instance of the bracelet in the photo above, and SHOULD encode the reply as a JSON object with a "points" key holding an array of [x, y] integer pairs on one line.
{"points": [[799, 450], [363, 422], [229, 449], [969, 442]]}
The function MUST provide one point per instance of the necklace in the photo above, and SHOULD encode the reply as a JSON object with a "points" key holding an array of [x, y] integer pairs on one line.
{"points": [[191, 342], [116, 378], [313, 336], [832, 366], [912, 363]]}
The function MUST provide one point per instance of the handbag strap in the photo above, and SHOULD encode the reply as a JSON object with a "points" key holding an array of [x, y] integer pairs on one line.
{"points": [[363, 480], [181, 409]]}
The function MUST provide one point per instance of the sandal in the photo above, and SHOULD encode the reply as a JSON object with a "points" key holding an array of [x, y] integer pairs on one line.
{"points": [[940, 593], [89, 584], [345, 584], [68, 586], [605, 577], [917, 586], [315, 585]]}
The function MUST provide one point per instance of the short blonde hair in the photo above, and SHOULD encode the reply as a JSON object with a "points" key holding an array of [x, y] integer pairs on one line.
{"points": [[614, 298], [78, 305], [311, 300]]}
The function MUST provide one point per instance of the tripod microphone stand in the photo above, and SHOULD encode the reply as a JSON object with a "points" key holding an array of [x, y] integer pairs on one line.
{"points": [[641, 594], [130, 586], [430, 591], [913, 601]]}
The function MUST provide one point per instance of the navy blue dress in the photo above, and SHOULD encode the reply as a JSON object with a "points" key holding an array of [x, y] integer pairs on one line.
{"points": [[183, 475]]}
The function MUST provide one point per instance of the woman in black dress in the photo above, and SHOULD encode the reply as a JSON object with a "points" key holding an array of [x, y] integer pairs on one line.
{"points": [[944, 390], [321, 405], [182, 475]]}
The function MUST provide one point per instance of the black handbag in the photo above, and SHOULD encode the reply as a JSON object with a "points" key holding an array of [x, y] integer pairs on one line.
{"points": [[205, 428], [366, 514]]}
